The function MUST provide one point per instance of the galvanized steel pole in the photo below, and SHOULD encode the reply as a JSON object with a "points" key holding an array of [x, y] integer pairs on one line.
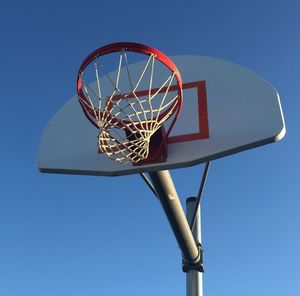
{"points": [[194, 285], [171, 204]]}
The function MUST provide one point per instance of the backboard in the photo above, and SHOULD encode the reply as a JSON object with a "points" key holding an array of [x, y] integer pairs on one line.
{"points": [[226, 109]]}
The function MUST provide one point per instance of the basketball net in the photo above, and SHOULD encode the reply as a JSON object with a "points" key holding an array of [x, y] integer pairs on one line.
{"points": [[129, 115]]}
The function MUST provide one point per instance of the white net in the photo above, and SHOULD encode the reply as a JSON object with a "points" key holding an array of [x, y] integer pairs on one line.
{"points": [[128, 105]]}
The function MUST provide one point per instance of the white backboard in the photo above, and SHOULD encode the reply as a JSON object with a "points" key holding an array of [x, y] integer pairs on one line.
{"points": [[237, 111]]}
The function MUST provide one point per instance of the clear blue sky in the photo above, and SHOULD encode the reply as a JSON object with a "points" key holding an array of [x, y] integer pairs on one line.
{"points": [[73, 235]]}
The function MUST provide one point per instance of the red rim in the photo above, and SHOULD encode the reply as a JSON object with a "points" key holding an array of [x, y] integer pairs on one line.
{"points": [[131, 47]]}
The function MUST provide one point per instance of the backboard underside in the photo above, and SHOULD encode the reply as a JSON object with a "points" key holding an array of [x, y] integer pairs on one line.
{"points": [[235, 110]]}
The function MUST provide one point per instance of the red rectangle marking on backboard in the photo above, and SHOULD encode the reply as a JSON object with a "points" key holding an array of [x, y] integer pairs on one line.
{"points": [[203, 129]]}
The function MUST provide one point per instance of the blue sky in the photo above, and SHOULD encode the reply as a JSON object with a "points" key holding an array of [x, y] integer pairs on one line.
{"points": [[78, 235]]}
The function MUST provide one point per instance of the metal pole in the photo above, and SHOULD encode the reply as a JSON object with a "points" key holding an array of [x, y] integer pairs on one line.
{"points": [[194, 285], [165, 189]]}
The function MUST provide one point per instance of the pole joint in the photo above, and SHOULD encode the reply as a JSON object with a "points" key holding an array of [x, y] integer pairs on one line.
{"points": [[196, 264]]}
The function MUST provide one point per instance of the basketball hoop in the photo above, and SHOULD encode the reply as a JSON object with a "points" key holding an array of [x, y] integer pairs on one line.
{"points": [[130, 108]]}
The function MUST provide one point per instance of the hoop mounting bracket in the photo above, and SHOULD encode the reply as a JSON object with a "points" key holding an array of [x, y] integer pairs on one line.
{"points": [[196, 264]]}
